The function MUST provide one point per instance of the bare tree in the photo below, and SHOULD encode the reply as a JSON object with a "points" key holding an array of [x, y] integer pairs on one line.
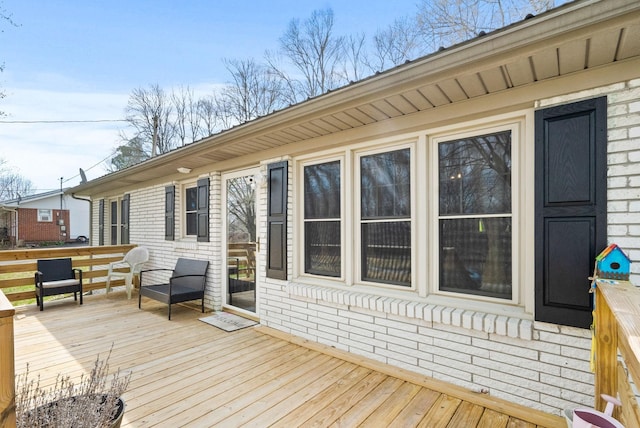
{"points": [[179, 104], [399, 42], [186, 118], [149, 111], [206, 111], [12, 184], [447, 22], [314, 52], [254, 92], [5, 17], [355, 57]]}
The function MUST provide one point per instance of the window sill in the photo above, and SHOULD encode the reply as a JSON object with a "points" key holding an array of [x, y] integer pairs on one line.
{"points": [[185, 245], [423, 310]]}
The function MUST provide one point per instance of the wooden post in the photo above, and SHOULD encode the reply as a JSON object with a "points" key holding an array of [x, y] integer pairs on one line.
{"points": [[606, 351], [7, 365]]}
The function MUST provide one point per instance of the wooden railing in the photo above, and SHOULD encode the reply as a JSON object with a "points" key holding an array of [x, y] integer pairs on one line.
{"points": [[7, 368], [17, 267], [617, 332]]}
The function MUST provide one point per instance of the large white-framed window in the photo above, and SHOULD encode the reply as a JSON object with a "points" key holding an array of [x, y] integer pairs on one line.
{"points": [[435, 213], [475, 227], [358, 239]]}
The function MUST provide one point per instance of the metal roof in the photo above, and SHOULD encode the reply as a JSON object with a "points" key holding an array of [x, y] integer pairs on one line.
{"points": [[583, 35]]}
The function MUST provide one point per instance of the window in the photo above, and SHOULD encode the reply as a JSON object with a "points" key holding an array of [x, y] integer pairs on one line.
{"points": [[114, 222], [45, 215], [475, 215], [118, 220], [191, 211], [381, 249], [194, 220], [124, 219], [322, 213], [439, 215], [385, 217]]}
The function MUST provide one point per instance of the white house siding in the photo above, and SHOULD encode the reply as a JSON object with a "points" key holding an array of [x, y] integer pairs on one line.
{"points": [[147, 229], [540, 365]]}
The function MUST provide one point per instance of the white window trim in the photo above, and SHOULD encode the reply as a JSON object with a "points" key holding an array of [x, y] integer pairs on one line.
{"points": [[424, 222], [515, 126], [118, 225], [356, 222], [299, 263], [181, 200], [41, 217]]}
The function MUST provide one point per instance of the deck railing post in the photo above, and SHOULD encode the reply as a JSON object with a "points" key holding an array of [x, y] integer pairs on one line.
{"points": [[606, 354], [7, 365]]}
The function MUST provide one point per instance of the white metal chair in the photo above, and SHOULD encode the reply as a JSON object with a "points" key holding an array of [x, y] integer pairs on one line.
{"points": [[132, 262]]}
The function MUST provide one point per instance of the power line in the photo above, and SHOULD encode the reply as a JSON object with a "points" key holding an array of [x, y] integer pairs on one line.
{"points": [[62, 121]]}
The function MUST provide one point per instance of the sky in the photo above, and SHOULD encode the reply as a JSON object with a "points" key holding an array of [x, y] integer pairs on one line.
{"points": [[69, 66]]}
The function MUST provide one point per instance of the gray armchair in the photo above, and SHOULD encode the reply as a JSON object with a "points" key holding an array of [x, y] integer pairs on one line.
{"points": [[186, 283]]}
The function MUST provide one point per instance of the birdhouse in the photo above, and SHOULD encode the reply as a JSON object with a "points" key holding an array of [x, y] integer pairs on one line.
{"points": [[613, 263]]}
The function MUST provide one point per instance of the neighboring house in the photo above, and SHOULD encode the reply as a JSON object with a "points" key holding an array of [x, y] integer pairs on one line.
{"points": [[442, 216], [45, 217]]}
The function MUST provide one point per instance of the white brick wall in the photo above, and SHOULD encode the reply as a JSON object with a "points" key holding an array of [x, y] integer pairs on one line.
{"points": [[543, 366], [540, 365], [147, 228]]}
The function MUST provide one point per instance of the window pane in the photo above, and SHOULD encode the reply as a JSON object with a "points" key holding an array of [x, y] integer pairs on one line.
{"points": [[386, 252], [192, 199], [475, 256], [114, 212], [386, 184], [475, 175], [44, 215], [192, 224], [322, 191], [322, 248]]}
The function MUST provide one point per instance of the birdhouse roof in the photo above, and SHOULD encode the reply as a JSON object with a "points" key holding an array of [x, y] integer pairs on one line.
{"points": [[612, 248]]}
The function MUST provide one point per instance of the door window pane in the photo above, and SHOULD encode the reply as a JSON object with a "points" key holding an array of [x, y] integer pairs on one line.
{"points": [[114, 223]]}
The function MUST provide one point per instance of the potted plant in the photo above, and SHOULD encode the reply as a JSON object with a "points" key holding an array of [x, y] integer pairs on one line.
{"points": [[93, 402]]}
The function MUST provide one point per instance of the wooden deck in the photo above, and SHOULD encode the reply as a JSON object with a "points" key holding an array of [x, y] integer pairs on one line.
{"points": [[188, 373]]}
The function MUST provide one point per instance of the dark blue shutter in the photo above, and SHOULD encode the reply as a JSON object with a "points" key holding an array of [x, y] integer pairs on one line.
{"points": [[277, 220], [101, 222], [124, 215], [203, 210], [169, 213]]}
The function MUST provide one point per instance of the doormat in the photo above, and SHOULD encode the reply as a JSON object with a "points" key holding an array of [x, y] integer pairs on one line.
{"points": [[227, 321]]}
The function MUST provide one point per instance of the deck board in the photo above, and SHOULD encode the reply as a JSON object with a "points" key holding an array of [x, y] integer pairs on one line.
{"points": [[188, 373]]}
